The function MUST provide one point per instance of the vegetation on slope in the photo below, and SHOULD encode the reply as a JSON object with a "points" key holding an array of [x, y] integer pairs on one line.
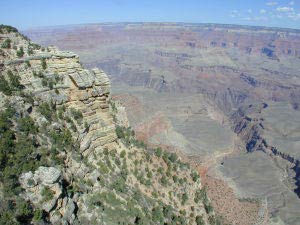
{"points": [[24, 146]]}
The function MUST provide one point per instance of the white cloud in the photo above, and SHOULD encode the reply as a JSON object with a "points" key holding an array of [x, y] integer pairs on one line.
{"points": [[262, 11], [282, 12], [272, 3], [285, 9]]}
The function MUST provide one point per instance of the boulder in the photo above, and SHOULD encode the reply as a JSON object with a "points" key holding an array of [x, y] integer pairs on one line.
{"points": [[47, 175]]}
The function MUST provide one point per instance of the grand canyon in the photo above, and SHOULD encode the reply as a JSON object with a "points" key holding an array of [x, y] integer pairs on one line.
{"points": [[226, 98]]}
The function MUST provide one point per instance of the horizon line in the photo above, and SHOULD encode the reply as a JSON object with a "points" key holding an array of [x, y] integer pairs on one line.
{"points": [[168, 22]]}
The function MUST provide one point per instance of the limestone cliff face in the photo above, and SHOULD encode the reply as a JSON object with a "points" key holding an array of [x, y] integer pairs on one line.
{"points": [[79, 88], [81, 167]]}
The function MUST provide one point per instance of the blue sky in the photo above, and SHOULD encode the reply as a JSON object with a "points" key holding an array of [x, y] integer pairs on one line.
{"points": [[25, 14]]}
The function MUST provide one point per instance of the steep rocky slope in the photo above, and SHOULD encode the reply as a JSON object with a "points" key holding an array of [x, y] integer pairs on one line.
{"points": [[65, 161]]}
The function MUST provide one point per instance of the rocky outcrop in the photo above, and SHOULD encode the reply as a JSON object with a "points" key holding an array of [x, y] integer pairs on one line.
{"points": [[89, 94], [249, 129], [78, 88], [44, 189]]}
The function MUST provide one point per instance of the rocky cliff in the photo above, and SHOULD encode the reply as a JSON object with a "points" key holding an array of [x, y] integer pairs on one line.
{"points": [[65, 161], [254, 130]]}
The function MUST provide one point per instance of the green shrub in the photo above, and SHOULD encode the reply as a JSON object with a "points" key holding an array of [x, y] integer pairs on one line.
{"points": [[208, 207], [6, 43], [20, 52], [5, 126], [7, 28], [28, 97], [173, 157], [46, 110], [157, 215], [149, 174], [195, 176], [34, 46], [38, 215], [51, 84], [164, 180], [158, 152], [62, 139], [5, 87], [47, 194], [117, 161], [199, 220], [160, 170], [57, 78], [40, 74], [113, 106], [103, 168], [213, 220], [44, 64], [123, 154], [7, 217], [119, 185], [29, 50], [128, 137], [28, 64], [184, 198], [48, 82], [44, 82], [15, 84], [175, 179], [23, 211], [181, 181], [26, 125], [198, 196], [154, 194], [76, 114], [165, 157], [105, 151], [167, 211], [120, 132]]}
